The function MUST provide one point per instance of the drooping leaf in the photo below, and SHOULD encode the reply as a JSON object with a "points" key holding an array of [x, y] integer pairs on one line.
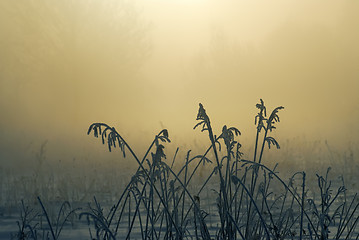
{"points": [[271, 140]]}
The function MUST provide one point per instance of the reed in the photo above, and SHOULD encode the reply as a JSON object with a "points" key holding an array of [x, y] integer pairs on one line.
{"points": [[251, 200]]}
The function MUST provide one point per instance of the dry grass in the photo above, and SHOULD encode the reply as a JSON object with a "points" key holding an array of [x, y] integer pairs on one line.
{"points": [[251, 200]]}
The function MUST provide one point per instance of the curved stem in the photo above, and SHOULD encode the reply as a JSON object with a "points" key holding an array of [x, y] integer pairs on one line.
{"points": [[285, 185]]}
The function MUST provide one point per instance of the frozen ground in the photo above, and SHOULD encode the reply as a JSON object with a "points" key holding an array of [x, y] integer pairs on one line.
{"points": [[79, 229]]}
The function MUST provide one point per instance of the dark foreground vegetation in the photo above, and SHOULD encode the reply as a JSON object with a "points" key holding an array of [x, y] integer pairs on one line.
{"points": [[237, 199]]}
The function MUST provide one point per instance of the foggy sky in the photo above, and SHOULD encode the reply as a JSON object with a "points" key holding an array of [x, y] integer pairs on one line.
{"points": [[144, 65]]}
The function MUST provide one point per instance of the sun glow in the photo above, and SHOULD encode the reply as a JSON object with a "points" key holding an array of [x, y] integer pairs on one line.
{"points": [[160, 58], [185, 2]]}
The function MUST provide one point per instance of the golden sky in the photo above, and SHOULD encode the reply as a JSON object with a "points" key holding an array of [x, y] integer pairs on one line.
{"points": [[146, 64]]}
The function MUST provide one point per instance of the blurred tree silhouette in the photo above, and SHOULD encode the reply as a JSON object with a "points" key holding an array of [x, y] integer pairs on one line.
{"points": [[298, 63], [62, 52]]}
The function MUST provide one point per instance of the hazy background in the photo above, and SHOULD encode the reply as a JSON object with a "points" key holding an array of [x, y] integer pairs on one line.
{"points": [[145, 65]]}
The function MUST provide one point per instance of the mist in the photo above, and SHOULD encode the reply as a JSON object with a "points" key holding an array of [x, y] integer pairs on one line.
{"points": [[141, 66]]}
